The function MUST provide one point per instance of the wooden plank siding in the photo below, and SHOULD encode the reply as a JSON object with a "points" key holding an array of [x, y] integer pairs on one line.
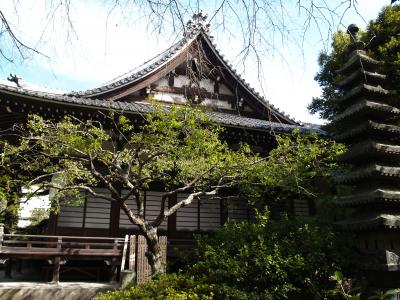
{"points": [[187, 217], [204, 215], [97, 213], [238, 210], [94, 216], [210, 214], [301, 207], [123, 218]]}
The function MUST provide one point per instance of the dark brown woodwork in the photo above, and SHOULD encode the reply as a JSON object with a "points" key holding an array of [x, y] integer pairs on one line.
{"points": [[172, 219], [84, 210], [147, 80], [114, 270], [171, 79], [191, 91], [114, 218], [198, 214], [52, 225], [56, 270], [223, 211]]}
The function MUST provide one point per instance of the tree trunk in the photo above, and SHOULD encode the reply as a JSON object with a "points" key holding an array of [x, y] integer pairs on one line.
{"points": [[153, 253]]}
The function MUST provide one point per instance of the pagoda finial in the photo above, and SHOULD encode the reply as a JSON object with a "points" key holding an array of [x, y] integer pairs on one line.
{"points": [[352, 30], [198, 22], [356, 43]]}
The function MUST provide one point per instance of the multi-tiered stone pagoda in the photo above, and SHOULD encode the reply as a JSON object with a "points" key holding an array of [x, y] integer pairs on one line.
{"points": [[369, 124]]}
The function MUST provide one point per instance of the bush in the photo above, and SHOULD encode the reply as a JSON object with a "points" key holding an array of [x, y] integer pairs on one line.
{"points": [[283, 259], [177, 287], [270, 259]]}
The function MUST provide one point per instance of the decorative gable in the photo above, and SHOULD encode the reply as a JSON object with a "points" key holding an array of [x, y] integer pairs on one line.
{"points": [[191, 69]]}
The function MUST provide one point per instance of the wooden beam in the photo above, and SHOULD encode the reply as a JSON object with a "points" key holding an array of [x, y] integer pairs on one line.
{"points": [[113, 271], [132, 248], [56, 270], [1, 235], [172, 219], [153, 76], [201, 92], [124, 253]]}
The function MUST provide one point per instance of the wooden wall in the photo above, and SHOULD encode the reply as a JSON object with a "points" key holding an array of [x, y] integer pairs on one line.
{"points": [[203, 215]]}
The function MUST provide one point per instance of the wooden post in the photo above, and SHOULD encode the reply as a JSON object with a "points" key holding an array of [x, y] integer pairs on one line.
{"points": [[124, 253], [57, 263], [56, 270], [132, 248], [113, 277], [8, 268], [172, 219], [1, 234], [163, 244]]}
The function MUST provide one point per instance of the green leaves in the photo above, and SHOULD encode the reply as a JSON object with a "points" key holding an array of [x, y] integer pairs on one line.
{"points": [[293, 169], [282, 259], [177, 146], [382, 40]]}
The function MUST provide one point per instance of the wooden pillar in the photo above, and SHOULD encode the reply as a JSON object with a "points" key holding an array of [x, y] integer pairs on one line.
{"points": [[124, 253], [198, 214], [114, 270], [114, 219], [52, 225], [223, 211], [132, 251], [8, 268], [56, 270], [57, 263], [172, 219], [1, 234]]}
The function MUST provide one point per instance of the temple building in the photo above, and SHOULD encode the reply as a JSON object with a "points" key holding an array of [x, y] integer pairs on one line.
{"points": [[193, 69]]}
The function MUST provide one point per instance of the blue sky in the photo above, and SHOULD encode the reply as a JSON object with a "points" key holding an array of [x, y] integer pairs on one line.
{"points": [[102, 50]]}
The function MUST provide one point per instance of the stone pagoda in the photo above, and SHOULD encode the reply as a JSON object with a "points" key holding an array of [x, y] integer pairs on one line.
{"points": [[369, 125]]}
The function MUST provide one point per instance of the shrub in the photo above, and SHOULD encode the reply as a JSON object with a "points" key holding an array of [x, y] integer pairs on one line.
{"points": [[283, 259], [177, 287], [270, 259]]}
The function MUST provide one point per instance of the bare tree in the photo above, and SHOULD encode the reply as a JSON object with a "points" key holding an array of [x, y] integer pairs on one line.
{"points": [[259, 24]]}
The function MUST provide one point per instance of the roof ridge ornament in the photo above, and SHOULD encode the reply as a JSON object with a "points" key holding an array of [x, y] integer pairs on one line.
{"points": [[14, 78], [196, 24], [352, 31]]}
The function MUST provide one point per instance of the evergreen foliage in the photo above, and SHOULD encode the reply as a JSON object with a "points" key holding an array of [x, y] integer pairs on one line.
{"points": [[381, 39]]}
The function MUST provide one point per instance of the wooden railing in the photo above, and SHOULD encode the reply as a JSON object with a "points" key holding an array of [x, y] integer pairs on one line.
{"points": [[58, 249], [45, 245]]}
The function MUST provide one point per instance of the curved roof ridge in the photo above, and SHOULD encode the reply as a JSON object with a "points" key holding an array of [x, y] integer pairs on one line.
{"points": [[161, 59], [238, 76], [142, 70], [145, 64]]}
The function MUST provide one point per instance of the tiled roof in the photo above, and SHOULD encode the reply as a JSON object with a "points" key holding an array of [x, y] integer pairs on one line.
{"points": [[367, 129], [134, 107], [369, 148], [367, 107], [372, 171], [371, 196], [358, 57], [240, 121], [370, 222], [163, 58], [139, 72]]}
